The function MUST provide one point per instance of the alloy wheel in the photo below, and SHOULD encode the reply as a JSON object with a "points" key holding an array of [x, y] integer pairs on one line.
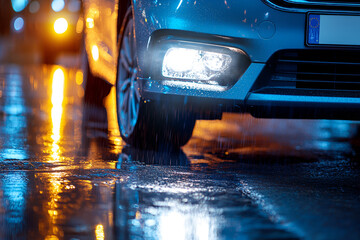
{"points": [[127, 88]]}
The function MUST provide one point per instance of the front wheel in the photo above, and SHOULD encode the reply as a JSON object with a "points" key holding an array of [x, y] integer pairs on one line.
{"points": [[141, 124]]}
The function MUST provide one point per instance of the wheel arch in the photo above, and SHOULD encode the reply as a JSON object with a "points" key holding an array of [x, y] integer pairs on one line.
{"points": [[122, 9]]}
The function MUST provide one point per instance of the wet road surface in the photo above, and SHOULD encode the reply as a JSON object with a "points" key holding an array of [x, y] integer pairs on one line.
{"points": [[66, 174]]}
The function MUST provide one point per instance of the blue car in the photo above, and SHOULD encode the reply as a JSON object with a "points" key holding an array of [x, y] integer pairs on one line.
{"points": [[174, 62]]}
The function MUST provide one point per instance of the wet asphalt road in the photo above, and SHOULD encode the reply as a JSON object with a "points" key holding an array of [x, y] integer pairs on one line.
{"points": [[66, 174]]}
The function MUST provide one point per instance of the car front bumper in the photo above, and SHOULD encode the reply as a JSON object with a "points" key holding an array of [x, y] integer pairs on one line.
{"points": [[239, 99], [259, 30]]}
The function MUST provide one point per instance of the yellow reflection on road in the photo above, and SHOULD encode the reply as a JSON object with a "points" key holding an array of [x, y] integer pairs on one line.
{"points": [[55, 187], [99, 232], [51, 237], [113, 127], [57, 98]]}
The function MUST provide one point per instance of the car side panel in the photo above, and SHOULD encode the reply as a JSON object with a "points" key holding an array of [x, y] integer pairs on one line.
{"points": [[101, 36]]}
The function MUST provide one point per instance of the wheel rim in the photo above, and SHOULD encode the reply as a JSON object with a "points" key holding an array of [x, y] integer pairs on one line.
{"points": [[127, 89]]}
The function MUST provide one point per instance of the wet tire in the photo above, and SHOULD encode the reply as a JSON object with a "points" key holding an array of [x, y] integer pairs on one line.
{"points": [[145, 124], [161, 128]]}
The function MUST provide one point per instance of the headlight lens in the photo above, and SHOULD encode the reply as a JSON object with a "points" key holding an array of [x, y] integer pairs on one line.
{"points": [[193, 64]]}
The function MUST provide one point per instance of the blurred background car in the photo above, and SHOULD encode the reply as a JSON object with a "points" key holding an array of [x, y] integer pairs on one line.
{"points": [[54, 25]]}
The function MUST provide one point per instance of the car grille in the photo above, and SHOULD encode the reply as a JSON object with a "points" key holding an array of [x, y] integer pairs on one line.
{"points": [[311, 71], [319, 4]]}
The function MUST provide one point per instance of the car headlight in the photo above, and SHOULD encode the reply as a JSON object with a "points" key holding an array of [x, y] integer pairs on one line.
{"points": [[194, 64], [177, 61]]}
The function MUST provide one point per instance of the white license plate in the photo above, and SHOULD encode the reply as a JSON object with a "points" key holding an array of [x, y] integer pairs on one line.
{"points": [[333, 30]]}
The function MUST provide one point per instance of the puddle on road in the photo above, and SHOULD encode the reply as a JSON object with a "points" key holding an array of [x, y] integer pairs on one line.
{"points": [[132, 201]]}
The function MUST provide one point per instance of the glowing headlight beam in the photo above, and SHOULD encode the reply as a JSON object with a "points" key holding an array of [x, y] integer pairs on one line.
{"points": [[184, 63]]}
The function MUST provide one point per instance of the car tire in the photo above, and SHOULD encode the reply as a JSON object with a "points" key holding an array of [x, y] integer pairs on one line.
{"points": [[145, 124]]}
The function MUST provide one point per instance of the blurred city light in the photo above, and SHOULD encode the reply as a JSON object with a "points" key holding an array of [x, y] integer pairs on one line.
{"points": [[60, 25], [34, 6], [95, 52], [79, 25], [19, 5], [79, 77], [19, 24], [74, 6], [58, 5], [89, 22]]}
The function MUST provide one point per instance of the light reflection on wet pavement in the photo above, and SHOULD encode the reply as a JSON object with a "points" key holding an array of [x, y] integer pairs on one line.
{"points": [[66, 173]]}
